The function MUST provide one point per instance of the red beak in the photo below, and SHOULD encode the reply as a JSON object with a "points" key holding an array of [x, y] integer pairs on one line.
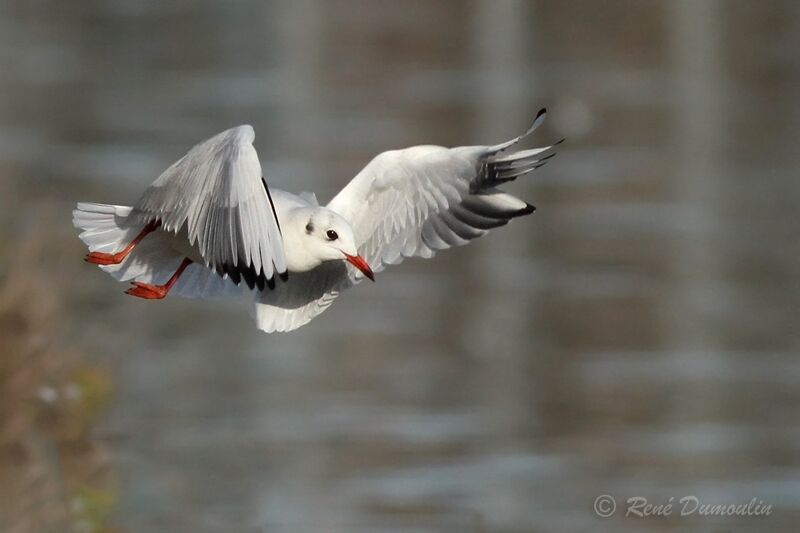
{"points": [[358, 262]]}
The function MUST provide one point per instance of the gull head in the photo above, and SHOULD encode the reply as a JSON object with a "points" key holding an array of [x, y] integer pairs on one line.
{"points": [[329, 237]]}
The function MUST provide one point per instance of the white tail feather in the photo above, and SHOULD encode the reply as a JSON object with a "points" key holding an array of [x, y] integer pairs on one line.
{"points": [[107, 228]]}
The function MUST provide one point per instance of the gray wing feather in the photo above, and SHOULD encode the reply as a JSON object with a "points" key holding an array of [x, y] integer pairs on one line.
{"points": [[414, 202], [216, 191]]}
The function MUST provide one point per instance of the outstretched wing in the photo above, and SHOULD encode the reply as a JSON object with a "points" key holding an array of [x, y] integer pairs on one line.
{"points": [[216, 191], [417, 201]]}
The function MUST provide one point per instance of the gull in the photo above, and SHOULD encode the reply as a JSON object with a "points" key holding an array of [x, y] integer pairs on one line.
{"points": [[210, 225]]}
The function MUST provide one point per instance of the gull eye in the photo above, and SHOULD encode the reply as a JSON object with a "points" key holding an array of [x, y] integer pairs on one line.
{"points": [[332, 235]]}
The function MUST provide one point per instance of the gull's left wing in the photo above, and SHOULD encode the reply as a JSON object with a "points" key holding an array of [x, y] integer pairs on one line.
{"points": [[417, 201]]}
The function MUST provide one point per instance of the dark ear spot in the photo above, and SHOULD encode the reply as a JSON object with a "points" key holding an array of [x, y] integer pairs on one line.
{"points": [[310, 227]]}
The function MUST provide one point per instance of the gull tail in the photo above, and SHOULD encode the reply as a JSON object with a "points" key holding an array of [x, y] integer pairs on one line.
{"points": [[109, 228], [105, 228]]}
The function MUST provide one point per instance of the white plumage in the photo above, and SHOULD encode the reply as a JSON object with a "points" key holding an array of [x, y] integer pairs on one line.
{"points": [[217, 194], [210, 226]]}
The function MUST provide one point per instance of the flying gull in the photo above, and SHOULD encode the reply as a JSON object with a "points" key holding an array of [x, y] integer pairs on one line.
{"points": [[211, 226]]}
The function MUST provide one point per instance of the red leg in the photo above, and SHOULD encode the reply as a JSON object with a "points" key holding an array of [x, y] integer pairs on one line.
{"points": [[157, 292], [102, 258]]}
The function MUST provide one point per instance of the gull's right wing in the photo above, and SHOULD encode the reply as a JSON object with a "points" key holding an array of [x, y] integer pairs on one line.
{"points": [[217, 193]]}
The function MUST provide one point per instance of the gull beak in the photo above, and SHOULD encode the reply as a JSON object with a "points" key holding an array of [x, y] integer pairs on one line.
{"points": [[358, 262]]}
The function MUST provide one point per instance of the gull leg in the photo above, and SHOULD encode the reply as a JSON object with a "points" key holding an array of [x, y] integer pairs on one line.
{"points": [[102, 258], [157, 292]]}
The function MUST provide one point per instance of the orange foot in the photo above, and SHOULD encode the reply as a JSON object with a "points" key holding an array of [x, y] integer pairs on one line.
{"points": [[148, 291], [101, 258]]}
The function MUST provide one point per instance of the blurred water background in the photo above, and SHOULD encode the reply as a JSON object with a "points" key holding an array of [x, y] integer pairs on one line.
{"points": [[638, 335]]}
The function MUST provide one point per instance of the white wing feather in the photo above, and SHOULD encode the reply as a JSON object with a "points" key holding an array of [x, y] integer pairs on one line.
{"points": [[216, 191], [414, 202]]}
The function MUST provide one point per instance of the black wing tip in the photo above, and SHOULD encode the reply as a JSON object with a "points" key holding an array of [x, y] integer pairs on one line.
{"points": [[527, 210], [239, 273], [537, 121], [284, 275]]}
